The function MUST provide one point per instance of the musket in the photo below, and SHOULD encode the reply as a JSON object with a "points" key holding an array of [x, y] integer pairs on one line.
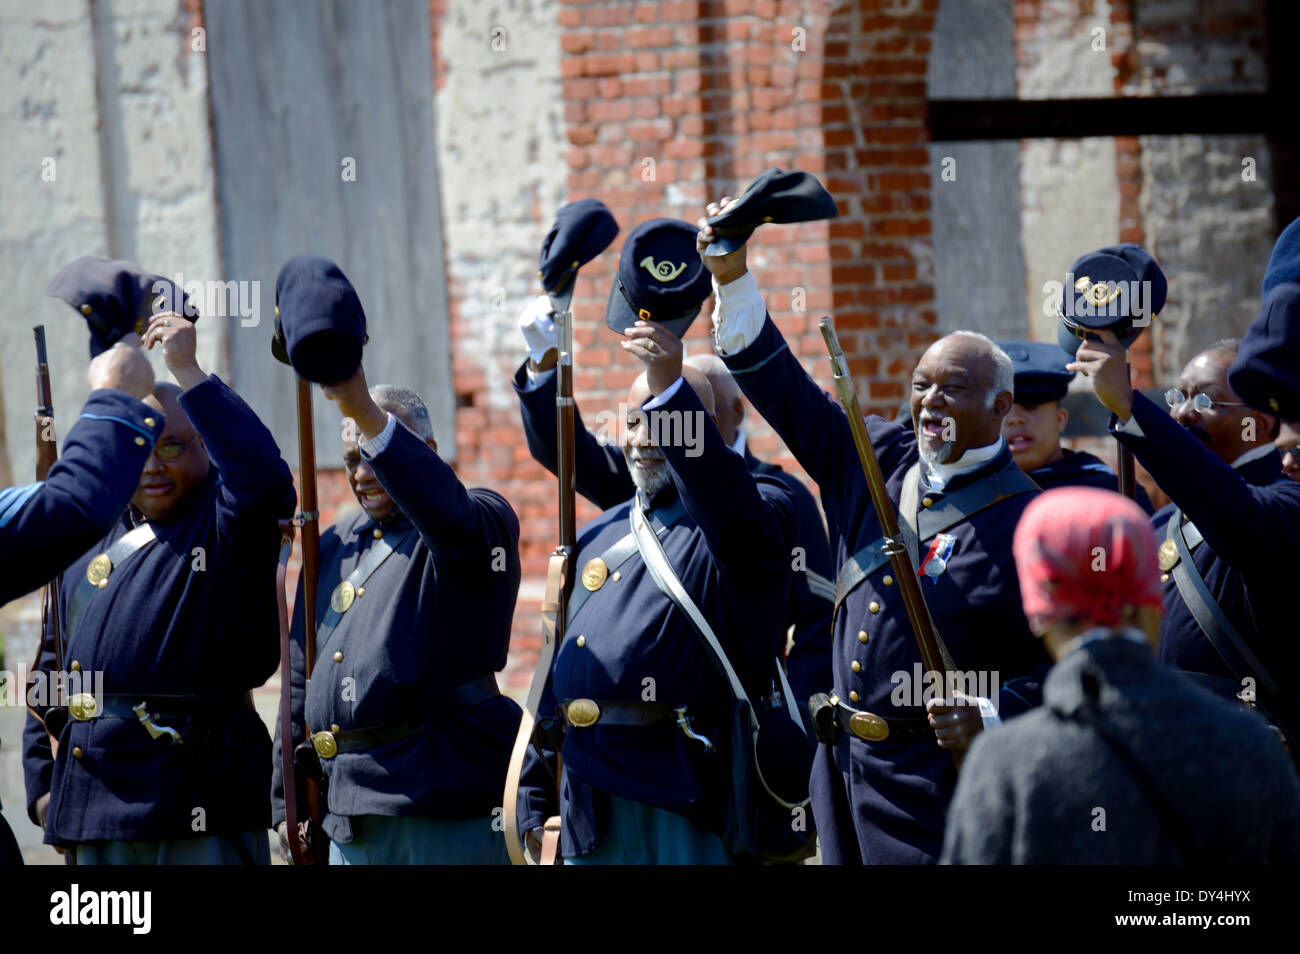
{"points": [[555, 603], [47, 452], [918, 615], [309, 521], [316, 851]]}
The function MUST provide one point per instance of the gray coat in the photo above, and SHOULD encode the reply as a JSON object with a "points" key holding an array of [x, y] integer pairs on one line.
{"points": [[1047, 788]]}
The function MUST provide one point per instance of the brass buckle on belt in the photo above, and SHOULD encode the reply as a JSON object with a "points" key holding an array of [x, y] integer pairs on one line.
{"points": [[83, 707], [582, 713], [868, 726], [325, 744]]}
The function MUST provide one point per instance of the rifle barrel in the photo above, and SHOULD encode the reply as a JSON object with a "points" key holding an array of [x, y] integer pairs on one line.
{"points": [[913, 601]]}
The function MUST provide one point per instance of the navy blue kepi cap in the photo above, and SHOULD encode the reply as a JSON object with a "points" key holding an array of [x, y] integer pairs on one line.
{"points": [[582, 230], [1119, 287], [1039, 368], [1284, 263], [1266, 372], [660, 278], [116, 298], [775, 196], [320, 315]]}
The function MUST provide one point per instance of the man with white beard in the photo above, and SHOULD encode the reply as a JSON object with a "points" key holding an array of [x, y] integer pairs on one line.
{"points": [[643, 724], [881, 784]]}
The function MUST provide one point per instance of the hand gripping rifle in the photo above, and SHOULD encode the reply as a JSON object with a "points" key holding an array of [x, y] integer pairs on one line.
{"points": [[933, 655], [555, 604], [317, 844]]}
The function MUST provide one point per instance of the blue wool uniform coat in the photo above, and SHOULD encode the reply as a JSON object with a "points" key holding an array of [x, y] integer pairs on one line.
{"points": [[45, 526], [884, 803], [603, 478], [1081, 469], [165, 626], [1029, 791], [1250, 518], [732, 553], [435, 615]]}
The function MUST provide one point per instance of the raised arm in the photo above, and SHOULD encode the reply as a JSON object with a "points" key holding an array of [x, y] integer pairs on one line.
{"points": [[256, 485], [809, 420], [601, 469], [45, 526], [461, 526]]}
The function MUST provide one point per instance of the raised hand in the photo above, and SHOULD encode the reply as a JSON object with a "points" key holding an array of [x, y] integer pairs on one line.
{"points": [[725, 268], [658, 349], [179, 343]]}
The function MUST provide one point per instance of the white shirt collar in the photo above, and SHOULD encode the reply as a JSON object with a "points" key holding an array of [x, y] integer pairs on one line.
{"points": [[1254, 454], [739, 445], [938, 475]]}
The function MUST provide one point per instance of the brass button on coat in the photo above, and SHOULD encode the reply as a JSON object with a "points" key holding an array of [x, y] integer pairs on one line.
{"points": [[888, 580], [139, 442], [853, 695], [76, 752], [582, 641], [927, 502], [379, 534], [76, 666], [862, 636], [873, 606], [855, 666], [338, 656]]}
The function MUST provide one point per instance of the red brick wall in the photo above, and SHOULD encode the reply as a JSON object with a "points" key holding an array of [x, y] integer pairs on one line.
{"points": [[713, 93]]}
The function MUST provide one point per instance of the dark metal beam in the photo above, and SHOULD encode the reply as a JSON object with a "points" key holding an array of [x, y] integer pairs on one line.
{"points": [[962, 120]]}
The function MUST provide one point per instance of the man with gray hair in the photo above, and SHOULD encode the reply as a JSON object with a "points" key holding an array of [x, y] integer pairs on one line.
{"points": [[881, 784], [417, 592]]}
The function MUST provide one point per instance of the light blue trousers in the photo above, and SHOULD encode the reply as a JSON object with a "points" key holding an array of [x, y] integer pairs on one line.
{"points": [[205, 850], [640, 834], [381, 840]]}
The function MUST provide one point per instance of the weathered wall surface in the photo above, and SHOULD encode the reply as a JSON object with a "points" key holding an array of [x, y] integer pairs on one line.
{"points": [[324, 126], [106, 153]]}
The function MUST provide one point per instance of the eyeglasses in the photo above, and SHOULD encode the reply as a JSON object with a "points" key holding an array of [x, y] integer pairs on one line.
{"points": [[172, 450], [1293, 451], [1202, 401]]}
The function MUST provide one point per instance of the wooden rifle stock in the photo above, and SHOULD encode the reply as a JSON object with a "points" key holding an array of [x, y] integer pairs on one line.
{"points": [[554, 604], [309, 519], [918, 615]]}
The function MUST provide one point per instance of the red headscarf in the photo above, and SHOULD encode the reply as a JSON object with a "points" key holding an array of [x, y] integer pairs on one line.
{"points": [[1085, 553]]}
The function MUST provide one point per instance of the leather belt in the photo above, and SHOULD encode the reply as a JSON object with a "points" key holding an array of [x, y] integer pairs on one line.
{"points": [[85, 706], [873, 728], [584, 713], [331, 742]]}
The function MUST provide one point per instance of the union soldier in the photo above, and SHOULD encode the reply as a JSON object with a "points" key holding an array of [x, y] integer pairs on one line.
{"points": [[879, 796], [1126, 761], [417, 591], [604, 478], [1036, 421], [645, 734], [1227, 603], [46, 525], [176, 607]]}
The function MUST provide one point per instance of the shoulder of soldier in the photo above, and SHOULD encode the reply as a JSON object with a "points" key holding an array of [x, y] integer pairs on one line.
{"points": [[497, 503]]}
